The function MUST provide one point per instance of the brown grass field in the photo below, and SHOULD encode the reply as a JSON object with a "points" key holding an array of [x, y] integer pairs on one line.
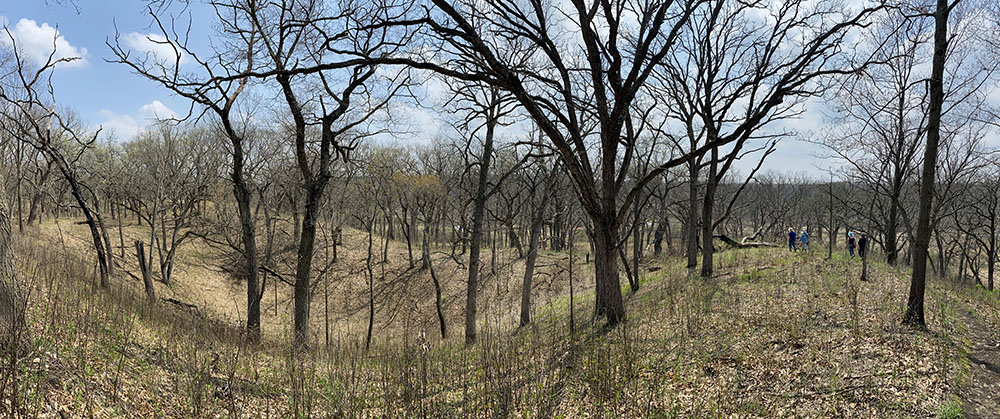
{"points": [[774, 334]]}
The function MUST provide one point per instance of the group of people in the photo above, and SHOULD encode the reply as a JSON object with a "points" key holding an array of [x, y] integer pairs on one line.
{"points": [[800, 241], [861, 244], [803, 240]]}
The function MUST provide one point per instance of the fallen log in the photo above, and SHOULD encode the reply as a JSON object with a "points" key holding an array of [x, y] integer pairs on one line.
{"points": [[745, 245], [181, 304]]}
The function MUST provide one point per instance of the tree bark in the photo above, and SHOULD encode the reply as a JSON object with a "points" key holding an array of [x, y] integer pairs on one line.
{"points": [[537, 219], [437, 288], [371, 284], [608, 294], [145, 270], [708, 216], [12, 299], [915, 303], [248, 234], [477, 222], [691, 230], [303, 267]]}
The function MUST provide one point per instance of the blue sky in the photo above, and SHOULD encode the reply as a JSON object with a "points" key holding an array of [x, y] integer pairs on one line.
{"points": [[101, 93], [111, 96]]}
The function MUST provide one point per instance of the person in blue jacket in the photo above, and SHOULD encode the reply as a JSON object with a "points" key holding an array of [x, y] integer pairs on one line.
{"points": [[791, 239], [851, 243], [804, 240]]}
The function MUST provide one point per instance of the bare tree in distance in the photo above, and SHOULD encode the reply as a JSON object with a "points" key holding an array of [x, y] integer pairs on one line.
{"points": [[199, 84], [29, 113]]}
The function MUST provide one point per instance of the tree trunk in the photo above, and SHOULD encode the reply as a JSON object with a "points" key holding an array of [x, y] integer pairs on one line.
{"points": [[608, 297], [12, 298], [572, 312], [515, 242], [915, 304], [708, 217], [296, 223], [249, 238], [691, 230], [437, 288], [371, 284], [303, 268], [36, 198], [146, 270], [121, 235], [386, 237], [17, 185], [832, 229], [636, 250], [477, 230], [409, 230], [537, 219], [95, 234]]}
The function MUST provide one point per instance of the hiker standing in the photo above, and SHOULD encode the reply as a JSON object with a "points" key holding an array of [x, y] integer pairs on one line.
{"points": [[863, 245], [804, 240], [851, 243], [791, 239]]}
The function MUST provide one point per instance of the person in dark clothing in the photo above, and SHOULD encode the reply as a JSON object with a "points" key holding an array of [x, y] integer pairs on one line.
{"points": [[851, 243], [863, 245], [791, 239]]}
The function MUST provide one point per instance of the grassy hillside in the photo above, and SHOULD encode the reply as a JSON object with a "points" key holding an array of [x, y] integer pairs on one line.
{"points": [[773, 335]]}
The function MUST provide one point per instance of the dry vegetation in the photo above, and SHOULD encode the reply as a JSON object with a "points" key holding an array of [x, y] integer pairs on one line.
{"points": [[774, 334]]}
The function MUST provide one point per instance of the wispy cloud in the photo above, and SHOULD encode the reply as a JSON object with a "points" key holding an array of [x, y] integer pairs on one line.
{"points": [[156, 47], [125, 127]]}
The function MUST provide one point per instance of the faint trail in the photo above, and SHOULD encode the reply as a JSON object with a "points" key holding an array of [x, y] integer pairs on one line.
{"points": [[982, 397]]}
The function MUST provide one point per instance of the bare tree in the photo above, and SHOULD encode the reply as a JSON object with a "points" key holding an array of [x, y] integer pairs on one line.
{"points": [[539, 185], [739, 67], [219, 98], [915, 303], [29, 113], [584, 92], [295, 40], [169, 173], [955, 99]]}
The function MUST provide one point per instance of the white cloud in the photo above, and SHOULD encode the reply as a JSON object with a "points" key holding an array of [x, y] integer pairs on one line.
{"points": [[155, 46], [36, 42], [156, 110], [122, 127], [427, 124], [126, 127]]}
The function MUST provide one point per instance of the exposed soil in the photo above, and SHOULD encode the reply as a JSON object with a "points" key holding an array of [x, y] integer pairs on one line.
{"points": [[982, 397]]}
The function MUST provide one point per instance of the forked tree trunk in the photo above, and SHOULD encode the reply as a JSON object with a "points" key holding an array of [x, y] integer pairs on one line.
{"points": [[537, 219], [36, 198], [145, 270]]}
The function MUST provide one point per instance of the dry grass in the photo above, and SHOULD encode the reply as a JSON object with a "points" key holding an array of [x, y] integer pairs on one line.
{"points": [[404, 296], [774, 335]]}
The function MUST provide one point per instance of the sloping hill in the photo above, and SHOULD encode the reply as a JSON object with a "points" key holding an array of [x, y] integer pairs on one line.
{"points": [[774, 335]]}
